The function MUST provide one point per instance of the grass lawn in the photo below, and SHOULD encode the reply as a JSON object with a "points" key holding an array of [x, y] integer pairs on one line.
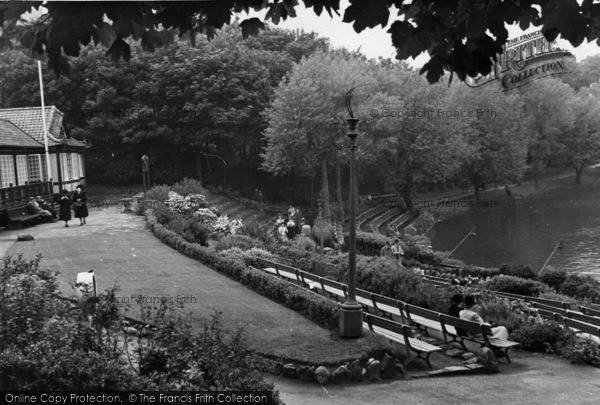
{"points": [[123, 252]]}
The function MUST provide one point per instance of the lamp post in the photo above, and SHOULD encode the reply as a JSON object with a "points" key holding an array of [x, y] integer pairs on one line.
{"points": [[350, 318]]}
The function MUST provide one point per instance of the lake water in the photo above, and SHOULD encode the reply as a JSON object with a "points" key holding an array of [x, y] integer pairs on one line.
{"points": [[527, 232]]}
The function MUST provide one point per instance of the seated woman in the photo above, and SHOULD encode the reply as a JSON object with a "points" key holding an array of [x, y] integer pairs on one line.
{"points": [[455, 307], [470, 315]]}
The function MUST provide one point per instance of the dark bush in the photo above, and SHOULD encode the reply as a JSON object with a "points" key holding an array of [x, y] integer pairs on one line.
{"points": [[481, 272], [518, 270], [188, 186], [164, 215], [554, 278], [367, 243], [583, 351], [516, 285], [239, 241], [200, 232], [581, 287], [548, 337]]}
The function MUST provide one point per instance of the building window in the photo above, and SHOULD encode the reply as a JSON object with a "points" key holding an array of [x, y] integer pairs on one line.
{"points": [[44, 168], [35, 170], [69, 173], [7, 171], [22, 174], [81, 168], [75, 159]]}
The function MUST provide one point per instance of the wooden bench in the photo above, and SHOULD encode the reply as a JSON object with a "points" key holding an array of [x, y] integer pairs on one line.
{"points": [[421, 318], [543, 301], [590, 311], [582, 327], [578, 316], [365, 299], [548, 308], [402, 334], [278, 269], [481, 334], [387, 306], [21, 214], [332, 288]]}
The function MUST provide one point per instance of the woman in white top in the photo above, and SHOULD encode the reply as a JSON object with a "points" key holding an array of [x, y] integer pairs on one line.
{"points": [[470, 315]]}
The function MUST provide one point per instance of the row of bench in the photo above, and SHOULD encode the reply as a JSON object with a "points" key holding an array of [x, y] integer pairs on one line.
{"points": [[380, 307], [21, 215]]}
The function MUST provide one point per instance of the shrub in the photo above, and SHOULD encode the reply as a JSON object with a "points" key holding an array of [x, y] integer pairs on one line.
{"points": [[200, 232], [422, 255], [517, 270], [188, 186], [581, 287], [500, 312], [158, 193], [516, 285], [481, 272], [163, 215], [262, 232], [242, 242], [305, 243], [547, 336], [553, 277], [583, 351], [367, 243]]}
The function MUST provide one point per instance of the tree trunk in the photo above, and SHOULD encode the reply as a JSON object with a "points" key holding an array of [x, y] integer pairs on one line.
{"points": [[476, 180], [406, 196], [312, 190], [338, 173], [325, 190], [578, 171], [199, 166]]}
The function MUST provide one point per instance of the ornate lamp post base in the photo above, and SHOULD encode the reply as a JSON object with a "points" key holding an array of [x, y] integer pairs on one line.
{"points": [[350, 320]]}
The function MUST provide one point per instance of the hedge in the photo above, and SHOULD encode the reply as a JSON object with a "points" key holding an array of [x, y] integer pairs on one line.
{"points": [[516, 285], [317, 308]]}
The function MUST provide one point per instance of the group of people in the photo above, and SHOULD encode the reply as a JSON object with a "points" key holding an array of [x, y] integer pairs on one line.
{"points": [[465, 308], [287, 230], [77, 202], [37, 205], [394, 250]]}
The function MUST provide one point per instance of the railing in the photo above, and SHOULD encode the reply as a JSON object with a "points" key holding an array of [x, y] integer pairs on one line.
{"points": [[19, 195]]}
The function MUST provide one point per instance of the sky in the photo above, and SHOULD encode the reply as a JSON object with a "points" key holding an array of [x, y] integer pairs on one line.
{"points": [[377, 42]]}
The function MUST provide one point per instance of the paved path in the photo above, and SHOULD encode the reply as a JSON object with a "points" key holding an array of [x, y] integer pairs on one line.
{"points": [[539, 379], [122, 251]]}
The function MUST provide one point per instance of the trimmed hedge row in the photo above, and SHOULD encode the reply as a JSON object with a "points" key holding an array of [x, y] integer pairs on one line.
{"points": [[317, 308]]}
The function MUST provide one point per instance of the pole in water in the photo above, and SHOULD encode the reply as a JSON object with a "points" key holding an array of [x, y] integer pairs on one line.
{"points": [[559, 245]]}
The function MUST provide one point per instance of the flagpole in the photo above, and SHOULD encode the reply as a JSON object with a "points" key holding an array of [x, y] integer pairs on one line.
{"points": [[48, 171]]}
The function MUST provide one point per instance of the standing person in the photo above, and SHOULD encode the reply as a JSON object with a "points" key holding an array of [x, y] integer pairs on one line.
{"points": [[291, 228], [64, 213], [386, 250], [283, 232], [305, 228], [397, 251], [79, 204]]}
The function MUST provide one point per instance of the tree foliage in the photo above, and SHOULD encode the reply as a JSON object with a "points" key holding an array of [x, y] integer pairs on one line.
{"points": [[461, 36]]}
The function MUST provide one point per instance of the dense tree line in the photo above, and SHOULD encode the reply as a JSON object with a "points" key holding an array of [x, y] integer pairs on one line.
{"points": [[195, 110], [268, 112]]}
